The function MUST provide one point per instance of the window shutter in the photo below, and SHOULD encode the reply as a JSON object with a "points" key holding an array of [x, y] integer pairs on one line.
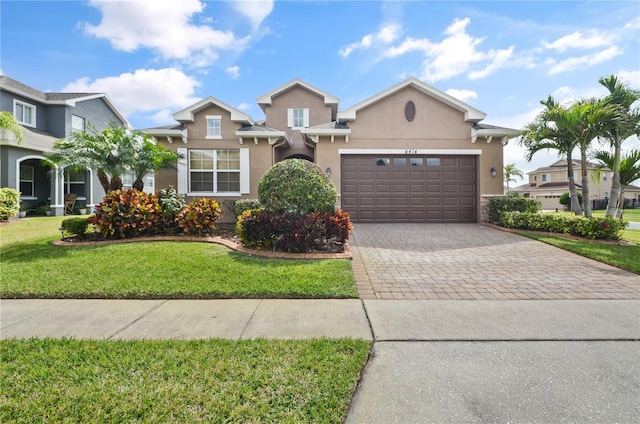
{"points": [[245, 171], [306, 118], [290, 118], [183, 172]]}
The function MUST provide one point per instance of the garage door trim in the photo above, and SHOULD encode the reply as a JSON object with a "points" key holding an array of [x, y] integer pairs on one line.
{"points": [[457, 152]]}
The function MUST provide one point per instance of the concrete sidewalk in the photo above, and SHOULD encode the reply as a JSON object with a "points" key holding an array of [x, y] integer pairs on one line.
{"points": [[379, 320]]}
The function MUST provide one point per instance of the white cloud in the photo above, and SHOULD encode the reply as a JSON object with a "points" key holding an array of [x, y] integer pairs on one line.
{"points": [[233, 71], [454, 55], [163, 26], [145, 90], [255, 10], [386, 35], [631, 77], [591, 40], [462, 95], [243, 106], [585, 61]]}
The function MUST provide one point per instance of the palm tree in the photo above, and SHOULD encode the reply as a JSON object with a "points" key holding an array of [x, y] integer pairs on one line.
{"points": [[511, 171], [112, 152], [622, 95], [550, 131], [592, 119], [629, 169], [151, 157], [9, 122]]}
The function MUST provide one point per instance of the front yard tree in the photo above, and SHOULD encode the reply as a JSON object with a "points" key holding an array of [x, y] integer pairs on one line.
{"points": [[629, 171], [112, 152], [510, 171], [9, 122], [551, 131], [622, 95]]}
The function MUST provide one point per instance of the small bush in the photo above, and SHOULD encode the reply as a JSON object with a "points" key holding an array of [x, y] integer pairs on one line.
{"points": [[513, 202], [591, 228], [296, 186], [565, 199], [171, 204], [9, 203], [290, 232], [75, 226], [127, 213], [200, 216], [242, 205]]}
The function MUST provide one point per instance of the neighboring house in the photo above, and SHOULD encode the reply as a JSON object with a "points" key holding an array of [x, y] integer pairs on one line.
{"points": [[45, 118], [410, 153], [548, 183]]}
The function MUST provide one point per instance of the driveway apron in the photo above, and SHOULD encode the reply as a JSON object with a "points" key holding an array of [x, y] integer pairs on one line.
{"points": [[474, 261]]}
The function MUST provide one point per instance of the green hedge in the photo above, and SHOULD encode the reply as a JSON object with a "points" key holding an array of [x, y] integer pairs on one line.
{"points": [[591, 228], [513, 202], [75, 226], [9, 203]]}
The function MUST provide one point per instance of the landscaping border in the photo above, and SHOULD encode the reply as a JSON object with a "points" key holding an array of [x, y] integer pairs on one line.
{"points": [[217, 240], [567, 236]]}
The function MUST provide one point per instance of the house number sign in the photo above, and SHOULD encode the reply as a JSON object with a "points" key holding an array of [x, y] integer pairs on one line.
{"points": [[411, 152]]}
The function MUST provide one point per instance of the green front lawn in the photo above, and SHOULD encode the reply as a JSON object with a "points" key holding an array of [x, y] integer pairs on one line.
{"points": [[33, 267], [632, 215], [217, 381]]}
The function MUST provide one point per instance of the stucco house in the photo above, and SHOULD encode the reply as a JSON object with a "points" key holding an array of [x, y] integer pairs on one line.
{"points": [[548, 183], [410, 153], [45, 118]]}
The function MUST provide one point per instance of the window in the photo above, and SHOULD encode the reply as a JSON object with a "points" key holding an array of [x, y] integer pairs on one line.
{"points": [[214, 171], [399, 161], [546, 178], [383, 162], [74, 183], [77, 123], [214, 126], [27, 181], [127, 181], [433, 161], [298, 118], [416, 161], [24, 113], [604, 176]]}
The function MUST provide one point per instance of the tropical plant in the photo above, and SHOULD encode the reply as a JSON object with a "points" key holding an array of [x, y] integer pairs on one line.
{"points": [[509, 172], [128, 213], [549, 131], [9, 203], [624, 97], [629, 171], [200, 216], [112, 152], [9, 122]]}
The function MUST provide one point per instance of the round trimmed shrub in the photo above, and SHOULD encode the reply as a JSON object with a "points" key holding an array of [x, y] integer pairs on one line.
{"points": [[296, 186]]}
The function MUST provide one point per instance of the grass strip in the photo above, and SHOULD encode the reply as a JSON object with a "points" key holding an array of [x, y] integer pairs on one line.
{"points": [[625, 257], [216, 381]]}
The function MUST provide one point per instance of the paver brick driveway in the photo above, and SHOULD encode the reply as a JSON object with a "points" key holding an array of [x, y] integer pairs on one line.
{"points": [[473, 261]]}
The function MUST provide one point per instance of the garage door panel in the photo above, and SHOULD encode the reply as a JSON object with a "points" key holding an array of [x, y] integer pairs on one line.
{"points": [[442, 189]]}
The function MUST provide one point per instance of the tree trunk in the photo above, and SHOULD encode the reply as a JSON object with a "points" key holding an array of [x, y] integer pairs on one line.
{"points": [[573, 193], [613, 206], [104, 180], [138, 184], [620, 210], [116, 183], [586, 200]]}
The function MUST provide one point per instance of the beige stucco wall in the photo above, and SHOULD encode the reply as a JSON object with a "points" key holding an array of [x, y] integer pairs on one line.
{"points": [[383, 125], [296, 97]]}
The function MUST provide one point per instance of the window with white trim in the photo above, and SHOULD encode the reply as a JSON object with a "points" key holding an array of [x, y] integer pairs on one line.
{"points": [[27, 181], [214, 126], [74, 182], [127, 181], [214, 171], [604, 176], [298, 118], [24, 113], [546, 178], [77, 123]]}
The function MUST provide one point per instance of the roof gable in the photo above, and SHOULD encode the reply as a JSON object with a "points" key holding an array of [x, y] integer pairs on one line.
{"points": [[266, 99], [470, 113], [187, 114]]}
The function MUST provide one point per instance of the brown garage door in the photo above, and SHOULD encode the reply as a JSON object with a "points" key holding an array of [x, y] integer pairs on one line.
{"points": [[409, 188]]}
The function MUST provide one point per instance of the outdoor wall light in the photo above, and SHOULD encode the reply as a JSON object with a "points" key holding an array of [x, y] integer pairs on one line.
{"points": [[493, 171], [328, 172]]}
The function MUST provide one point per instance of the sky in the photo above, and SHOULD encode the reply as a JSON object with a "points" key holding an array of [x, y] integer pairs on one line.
{"points": [[155, 57]]}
